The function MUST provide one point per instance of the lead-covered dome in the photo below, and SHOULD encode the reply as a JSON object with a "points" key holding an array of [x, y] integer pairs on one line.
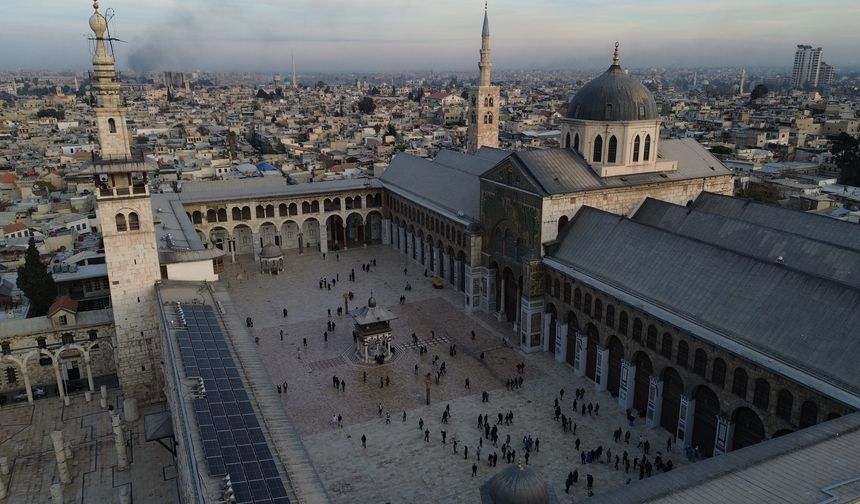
{"points": [[613, 96], [517, 485], [271, 251]]}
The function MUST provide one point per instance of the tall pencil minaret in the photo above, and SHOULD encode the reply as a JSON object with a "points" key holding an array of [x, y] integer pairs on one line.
{"points": [[484, 100], [295, 82], [743, 82], [126, 222]]}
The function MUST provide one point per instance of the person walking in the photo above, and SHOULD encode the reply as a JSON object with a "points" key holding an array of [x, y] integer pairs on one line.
{"points": [[474, 470], [427, 436], [443, 436], [282, 335], [387, 418], [363, 441]]}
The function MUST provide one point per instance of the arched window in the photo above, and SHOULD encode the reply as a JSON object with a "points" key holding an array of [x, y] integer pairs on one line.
{"points": [[761, 393], [486, 101], [739, 383], [282, 210], [112, 125], [576, 142], [636, 149], [120, 223], [784, 404], [556, 287], [133, 222], [622, 323], [270, 210], [718, 372], [610, 316], [598, 310], [612, 149], [646, 152], [246, 213], [808, 414], [586, 307], [700, 362], [566, 292], [211, 216], [491, 101], [637, 330], [236, 213], [222, 215], [197, 217], [293, 209], [666, 346], [598, 149], [651, 339], [490, 116], [567, 140], [260, 212], [683, 354], [577, 298]]}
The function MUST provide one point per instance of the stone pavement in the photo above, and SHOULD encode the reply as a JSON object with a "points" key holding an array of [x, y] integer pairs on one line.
{"points": [[25, 440], [397, 466]]}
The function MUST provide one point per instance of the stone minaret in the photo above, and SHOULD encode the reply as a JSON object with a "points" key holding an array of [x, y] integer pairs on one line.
{"points": [[484, 101], [126, 222]]}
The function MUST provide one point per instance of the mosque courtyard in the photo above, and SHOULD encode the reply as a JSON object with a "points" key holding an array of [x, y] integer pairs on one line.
{"points": [[398, 465]]}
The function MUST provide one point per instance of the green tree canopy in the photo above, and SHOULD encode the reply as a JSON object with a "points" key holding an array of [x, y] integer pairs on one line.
{"points": [[366, 105], [760, 91], [846, 155], [38, 285]]}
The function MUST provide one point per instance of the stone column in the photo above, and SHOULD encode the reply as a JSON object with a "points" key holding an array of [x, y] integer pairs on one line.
{"points": [[56, 494], [257, 247], [501, 313], [323, 238], [129, 409], [625, 385], [655, 402], [27, 385], [408, 248], [580, 356], [103, 399], [601, 372], [386, 231], [89, 372], [517, 321], [231, 244], [60, 454], [435, 268], [472, 299], [4, 467], [723, 438], [561, 342], [489, 295], [686, 412], [60, 388], [530, 335], [119, 443], [345, 236], [402, 239], [421, 258]]}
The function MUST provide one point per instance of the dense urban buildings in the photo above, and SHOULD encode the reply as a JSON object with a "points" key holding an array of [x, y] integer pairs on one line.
{"points": [[224, 288]]}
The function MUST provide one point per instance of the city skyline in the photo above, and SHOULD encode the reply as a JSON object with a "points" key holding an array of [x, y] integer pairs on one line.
{"points": [[336, 36]]}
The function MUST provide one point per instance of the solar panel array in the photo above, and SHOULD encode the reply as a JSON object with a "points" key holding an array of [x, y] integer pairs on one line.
{"points": [[233, 441]]}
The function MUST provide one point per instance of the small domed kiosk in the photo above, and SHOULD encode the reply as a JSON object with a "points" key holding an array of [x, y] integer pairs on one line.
{"points": [[372, 333], [517, 484], [271, 259]]}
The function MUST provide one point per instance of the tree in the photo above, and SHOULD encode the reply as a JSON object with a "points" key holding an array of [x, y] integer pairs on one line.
{"points": [[392, 130], [203, 130], [38, 285], [366, 105], [846, 155], [261, 93], [231, 143], [141, 139], [760, 91], [50, 112], [721, 149]]}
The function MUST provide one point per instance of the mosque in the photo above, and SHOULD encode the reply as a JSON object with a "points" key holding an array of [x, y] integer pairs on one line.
{"points": [[621, 253]]}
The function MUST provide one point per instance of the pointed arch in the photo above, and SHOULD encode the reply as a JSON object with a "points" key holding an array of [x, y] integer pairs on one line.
{"points": [[576, 142], [567, 140], [612, 150], [646, 152], [121, 223], [636, 143], [112, 125], [597, 154], [133, 222]]}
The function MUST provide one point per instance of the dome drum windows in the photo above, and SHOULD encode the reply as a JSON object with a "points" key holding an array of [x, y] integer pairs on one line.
{"points": [[646, 152], [636, 149], [597, 154], [612, 150]]}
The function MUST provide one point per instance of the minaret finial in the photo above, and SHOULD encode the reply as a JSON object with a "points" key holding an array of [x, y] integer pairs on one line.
{"points": [[96, 5], [616, 59]]}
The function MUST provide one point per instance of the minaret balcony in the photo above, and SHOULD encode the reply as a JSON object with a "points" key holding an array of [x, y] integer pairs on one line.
{"points": [[122, 192]]}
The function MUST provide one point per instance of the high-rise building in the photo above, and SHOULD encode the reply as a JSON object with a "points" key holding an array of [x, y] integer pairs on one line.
{"points": [[484, 101], [825, 75], [807, 66], [128, 230]]}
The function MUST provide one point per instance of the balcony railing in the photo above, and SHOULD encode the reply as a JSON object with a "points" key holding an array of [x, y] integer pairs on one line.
{"points": [[122, 192]]}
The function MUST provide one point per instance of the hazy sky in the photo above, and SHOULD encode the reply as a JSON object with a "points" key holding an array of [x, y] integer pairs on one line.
{"points": [[375, 35]]}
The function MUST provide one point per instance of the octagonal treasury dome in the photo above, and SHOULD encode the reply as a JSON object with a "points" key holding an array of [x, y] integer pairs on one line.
{"points": [[613, 96], [271, 251]]}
